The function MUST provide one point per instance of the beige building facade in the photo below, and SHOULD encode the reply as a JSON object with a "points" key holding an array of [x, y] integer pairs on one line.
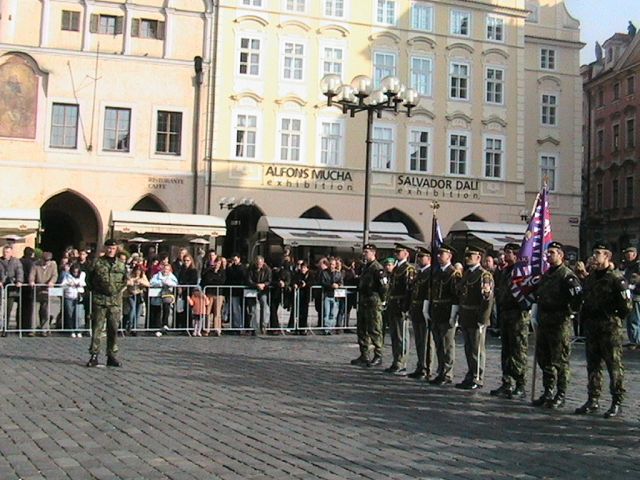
{"points": [[257, 137]]}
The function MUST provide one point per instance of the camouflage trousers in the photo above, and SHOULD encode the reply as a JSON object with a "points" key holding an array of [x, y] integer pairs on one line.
{"points": [[553, 349], [369, 326], [605, 345], [514, 334], [105, 317]]}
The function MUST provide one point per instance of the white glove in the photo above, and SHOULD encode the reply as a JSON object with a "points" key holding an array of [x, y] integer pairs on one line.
{"points": [[425, 310], [453, 319], [534, 316]]}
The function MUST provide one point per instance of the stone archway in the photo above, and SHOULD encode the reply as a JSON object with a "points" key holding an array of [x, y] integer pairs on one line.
{"points": [[395, 215], [149, 203], [316, 212], [242, 223], [69, 219]]}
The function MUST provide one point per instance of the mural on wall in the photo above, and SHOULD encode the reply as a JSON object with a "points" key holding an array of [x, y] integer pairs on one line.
{"points": [[18, 99]]}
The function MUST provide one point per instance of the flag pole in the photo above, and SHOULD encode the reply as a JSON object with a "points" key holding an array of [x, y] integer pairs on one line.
{"points": [[434, 223]]}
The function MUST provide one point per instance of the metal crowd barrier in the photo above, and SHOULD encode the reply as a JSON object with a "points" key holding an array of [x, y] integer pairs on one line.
{"points": [[41, 309]]}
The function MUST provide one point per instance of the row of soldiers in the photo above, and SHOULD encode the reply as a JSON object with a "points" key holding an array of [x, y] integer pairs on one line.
{"points": [[440, 299]]}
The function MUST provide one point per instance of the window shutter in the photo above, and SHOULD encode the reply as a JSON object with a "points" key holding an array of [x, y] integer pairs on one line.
{"points": [[135, 27], [161, 30], [119, 23], [93, 24]]}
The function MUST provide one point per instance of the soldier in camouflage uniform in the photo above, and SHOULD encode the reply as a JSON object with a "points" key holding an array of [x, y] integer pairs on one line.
{"points": [[441, 311], [107, 281], [419, 295], [558, 296], [371, 293], [475, 295], [514, 329], [631, 269], [606, 304], [398, 302]]}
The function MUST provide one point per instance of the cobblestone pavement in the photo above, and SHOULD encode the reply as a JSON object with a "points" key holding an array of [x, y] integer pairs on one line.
{"points": [[285, 407]]}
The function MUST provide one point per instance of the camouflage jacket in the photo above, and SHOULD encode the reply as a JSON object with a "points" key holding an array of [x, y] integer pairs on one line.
{"points": [[504, 297], [606, 299], [559, 293], [107, 281], [373, 282]]}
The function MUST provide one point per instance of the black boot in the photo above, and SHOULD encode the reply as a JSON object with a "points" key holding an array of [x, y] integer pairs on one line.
{"points": [[93, 361], [113, 361], [500, 391], [375, 361], [546, 396], [557, 402], [362, 360], [517, 392], [614, 409], [590, 406]]}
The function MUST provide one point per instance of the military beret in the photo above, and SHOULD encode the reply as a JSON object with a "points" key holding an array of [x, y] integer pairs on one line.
{"points": [[446, 248], [556, 245], [514, 247], [110, 242], [389, 260], [630, 249], [601, 246], [471, 249], [422, 252], [369, 246]]}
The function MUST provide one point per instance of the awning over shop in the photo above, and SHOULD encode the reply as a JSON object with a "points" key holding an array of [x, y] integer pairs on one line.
{"points": [[159, 223], [333, 233], [19, 221], [494, 234]]}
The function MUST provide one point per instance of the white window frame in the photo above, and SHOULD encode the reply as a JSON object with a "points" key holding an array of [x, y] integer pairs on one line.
{"points": [[456, 22], [295, 4], [498, 26], [63, 148], [548, 113], [467, 78], [422, 6], [154, 128], [376, 80], [259, 134], [377, 142], [252, 3], [548, 58], [429, 147], [488, 81], [382, 11], [334, 46], [429, 76], [302, 134], [341, 142], [553, 184], [283, 55], [239, 50], [486, 151], [467, 156], [331, 4]]}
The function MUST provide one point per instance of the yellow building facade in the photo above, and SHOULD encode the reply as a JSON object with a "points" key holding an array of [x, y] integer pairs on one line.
{"points": [[255, 134]]}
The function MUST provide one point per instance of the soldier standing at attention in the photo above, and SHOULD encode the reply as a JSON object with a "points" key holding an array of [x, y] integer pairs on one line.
{"points": [[631, 269], [606, 304], [107, 281], [372, 289], [419, 295], [441, 310], [558, 295], [475, 292], [399, 300], [514, 330]]}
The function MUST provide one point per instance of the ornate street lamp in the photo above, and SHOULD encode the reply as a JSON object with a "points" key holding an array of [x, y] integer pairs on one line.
{"points": [[358, 97]]}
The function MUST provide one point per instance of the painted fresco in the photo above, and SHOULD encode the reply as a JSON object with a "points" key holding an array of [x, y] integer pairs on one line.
{"points": [[18, 99]]}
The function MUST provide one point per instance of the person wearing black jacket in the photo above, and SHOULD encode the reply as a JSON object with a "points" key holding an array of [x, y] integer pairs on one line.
{"points": [[213, 279], [236, 274], [301, 285], [188, 276], [259, 279], [26, 294], [280, 290]]}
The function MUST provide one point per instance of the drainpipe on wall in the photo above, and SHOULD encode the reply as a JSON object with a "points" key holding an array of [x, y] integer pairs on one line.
{"points": [[197, 65], [212, 104]]}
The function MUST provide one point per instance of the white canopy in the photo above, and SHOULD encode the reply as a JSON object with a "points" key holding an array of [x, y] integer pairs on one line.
{"points": [[495, 234], [140, 223], [315, 232], [19, 221]]}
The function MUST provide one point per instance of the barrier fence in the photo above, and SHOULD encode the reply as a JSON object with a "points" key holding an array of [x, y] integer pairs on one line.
{"points": [[41, 309]]}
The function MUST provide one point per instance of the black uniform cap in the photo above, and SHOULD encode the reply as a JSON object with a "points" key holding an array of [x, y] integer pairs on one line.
{"points": [[446, 248], [630, 249], [110, 242], [514, 247], [556, 245], [422, 252], [601, 246], [471, 249], [369, 246], [399, 247]]}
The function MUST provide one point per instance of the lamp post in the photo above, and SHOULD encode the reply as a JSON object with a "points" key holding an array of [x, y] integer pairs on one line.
{"points": [[359, 97]]}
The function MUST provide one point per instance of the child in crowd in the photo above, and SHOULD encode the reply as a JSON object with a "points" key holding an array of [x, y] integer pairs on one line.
{"points": [[199, 303]]}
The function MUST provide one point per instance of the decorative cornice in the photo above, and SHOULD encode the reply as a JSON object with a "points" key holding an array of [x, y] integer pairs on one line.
{"points": [[548, 139], [458, 116], [421, 39], [293, 99], [550, 78], [295, 23], [252, 18], [495, 51], [253, 96], [494, 119], [460, 45], [334, 27], [376, 36], [421, 111]]}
